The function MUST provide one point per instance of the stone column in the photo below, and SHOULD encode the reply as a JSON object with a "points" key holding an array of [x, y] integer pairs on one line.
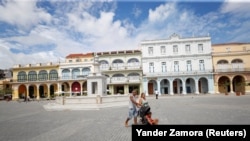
{"points": [[184, 91], [196, 86], [171, 87], [159, 86]]}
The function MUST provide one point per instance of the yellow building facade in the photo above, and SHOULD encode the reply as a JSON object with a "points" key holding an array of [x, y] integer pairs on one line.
{"points": [[231, 64], [35, 80]]}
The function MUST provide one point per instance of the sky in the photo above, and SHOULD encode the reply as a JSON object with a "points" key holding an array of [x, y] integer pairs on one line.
{"points": [[42, 31]]}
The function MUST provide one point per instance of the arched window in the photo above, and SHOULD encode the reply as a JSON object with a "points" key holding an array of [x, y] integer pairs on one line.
{"points": [[237, 65], [53, 75], [118, 75], [222, 62], [103, 62], [133, 60], [104, 65], [75, 73], [32, 76], [133, 76], [21, 76], [85, 71], [43, 75], [65, 74], [236, 61], [118, 64], [117, 61], [133, 63]]}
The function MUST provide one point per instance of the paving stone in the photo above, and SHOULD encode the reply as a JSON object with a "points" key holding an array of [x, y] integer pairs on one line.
{"points": [[32, 122]]}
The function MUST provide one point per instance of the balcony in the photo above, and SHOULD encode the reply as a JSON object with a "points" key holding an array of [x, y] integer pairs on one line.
{"points": [[173, 73], [120, 66], [122, 80], [232, 70]]}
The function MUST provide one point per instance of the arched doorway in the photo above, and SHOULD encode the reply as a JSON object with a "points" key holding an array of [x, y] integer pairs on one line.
{"points": [[164, 86], [238, 84], [203, 85], [224, 84], [76, 89], [152, 85], [177, 86], [22, 91]]}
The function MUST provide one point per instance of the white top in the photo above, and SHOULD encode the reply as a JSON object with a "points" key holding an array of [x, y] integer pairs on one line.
{"points": [[131, 104]]}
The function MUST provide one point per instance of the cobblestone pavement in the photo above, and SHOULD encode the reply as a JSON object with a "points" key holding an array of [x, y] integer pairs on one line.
{"points": [[31, 122]]}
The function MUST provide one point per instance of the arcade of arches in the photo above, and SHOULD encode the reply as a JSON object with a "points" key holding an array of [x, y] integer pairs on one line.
{"points": [[48, 90], [231, 84], [178, 86]]}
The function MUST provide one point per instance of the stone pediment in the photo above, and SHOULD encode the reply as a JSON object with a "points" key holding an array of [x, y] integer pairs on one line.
{"points": [[174, 37]]}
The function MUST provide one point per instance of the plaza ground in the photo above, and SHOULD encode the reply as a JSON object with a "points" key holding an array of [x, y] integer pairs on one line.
{"points": [[22, 121]]}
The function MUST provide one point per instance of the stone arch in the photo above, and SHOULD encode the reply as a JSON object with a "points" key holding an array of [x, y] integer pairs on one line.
{"points": [[190, 85], [165, 86], [224, 84], [203, 85], [152, 85]]}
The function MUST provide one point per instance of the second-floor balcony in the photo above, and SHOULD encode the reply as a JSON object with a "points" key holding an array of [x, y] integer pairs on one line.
{"points": [[231, 70], [129, 79], [171, 73], [120, 66]]}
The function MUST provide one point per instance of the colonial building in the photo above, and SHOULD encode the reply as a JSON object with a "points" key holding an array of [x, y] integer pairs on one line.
{"points": [[123, 70], [74, 72], [64, 78], [177, 65], [231, 67], [36, 81]]}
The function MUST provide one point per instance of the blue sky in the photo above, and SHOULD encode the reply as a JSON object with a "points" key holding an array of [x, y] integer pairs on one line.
{"points": [[40, 31]]}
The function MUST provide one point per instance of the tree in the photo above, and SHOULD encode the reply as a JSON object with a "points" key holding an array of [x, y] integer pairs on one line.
{"points": [[2, 74]]}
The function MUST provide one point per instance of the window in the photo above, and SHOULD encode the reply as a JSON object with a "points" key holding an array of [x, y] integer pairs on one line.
{"points": [[66, 74], [21, 77], [187, 48], [42, 75], [150, 50], [151, 67], [201, 65], [53, 75], [189, 65], [85, 71], [163, 49], [175, 49], [200, 48], [176, 66], [163, 67], [75, 73], [32, 76]]}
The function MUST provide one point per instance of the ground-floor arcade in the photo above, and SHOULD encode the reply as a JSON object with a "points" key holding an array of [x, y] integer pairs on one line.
{"points": [[125, 88], [232, 83], [179, 85]]}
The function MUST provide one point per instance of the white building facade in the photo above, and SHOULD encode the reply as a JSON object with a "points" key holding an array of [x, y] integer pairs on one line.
{"points": [[177, 65], [123, 70]]}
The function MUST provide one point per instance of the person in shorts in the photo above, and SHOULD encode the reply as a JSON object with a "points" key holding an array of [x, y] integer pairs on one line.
{"points": [[132, 108]]}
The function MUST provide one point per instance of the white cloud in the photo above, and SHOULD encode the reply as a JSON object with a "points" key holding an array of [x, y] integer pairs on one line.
{"points": [[162, 12], [23, 14], [236, 8], [81, 27], [136, 11]]}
